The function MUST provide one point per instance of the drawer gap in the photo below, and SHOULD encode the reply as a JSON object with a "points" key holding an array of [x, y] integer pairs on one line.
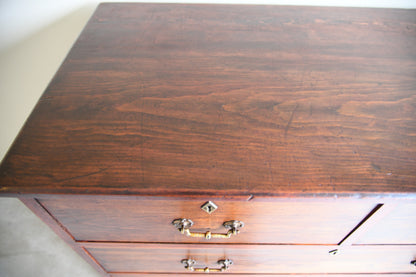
{"points": [[348, 238]]}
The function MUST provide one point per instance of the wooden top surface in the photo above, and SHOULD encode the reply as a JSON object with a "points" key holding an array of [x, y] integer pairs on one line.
{"points": [[227, 99]]}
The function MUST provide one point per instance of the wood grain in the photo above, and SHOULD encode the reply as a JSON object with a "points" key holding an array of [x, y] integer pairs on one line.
{"points": [[264, 259], [227, 99], [290, 222]]}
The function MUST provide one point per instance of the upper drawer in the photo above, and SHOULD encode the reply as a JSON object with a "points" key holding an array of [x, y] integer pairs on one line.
{"points": [[149, 220]]}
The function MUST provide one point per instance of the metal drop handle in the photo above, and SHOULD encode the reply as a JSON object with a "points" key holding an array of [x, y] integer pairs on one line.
{"points": [[183, 225], [189, 265]]}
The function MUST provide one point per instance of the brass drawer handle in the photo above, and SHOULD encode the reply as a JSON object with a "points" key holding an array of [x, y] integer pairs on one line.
{"points": [[189, 265], [183, 225]]}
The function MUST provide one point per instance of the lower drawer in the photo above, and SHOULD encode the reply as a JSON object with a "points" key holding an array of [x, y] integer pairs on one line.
{"points": [[252, 259], [250, 275]]}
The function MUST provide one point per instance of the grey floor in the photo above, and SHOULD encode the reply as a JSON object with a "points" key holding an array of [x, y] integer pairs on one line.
{"points": [[27, 246]]}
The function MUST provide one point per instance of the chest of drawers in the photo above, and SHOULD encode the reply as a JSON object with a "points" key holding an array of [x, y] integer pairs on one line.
{"points": [[229, 139]]}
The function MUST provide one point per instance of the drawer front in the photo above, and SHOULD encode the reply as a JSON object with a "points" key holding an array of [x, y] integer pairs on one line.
{"points": [[252, 259], [149, 220], [396, 226], [248, 275]]}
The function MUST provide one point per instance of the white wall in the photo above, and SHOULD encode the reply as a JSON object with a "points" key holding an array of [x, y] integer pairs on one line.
{"points": [[22, 18]]}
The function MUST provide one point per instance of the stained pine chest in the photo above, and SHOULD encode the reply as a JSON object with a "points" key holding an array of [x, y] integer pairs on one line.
{"points": [[229, 139]]}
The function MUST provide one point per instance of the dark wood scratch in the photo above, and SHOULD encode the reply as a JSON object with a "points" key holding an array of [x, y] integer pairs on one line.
{"points": [[290, 120], [82, 176], [271, 171]]}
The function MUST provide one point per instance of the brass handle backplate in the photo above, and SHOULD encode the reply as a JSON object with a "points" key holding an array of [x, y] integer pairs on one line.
{"points": [[183, 225], [189, 265]]}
